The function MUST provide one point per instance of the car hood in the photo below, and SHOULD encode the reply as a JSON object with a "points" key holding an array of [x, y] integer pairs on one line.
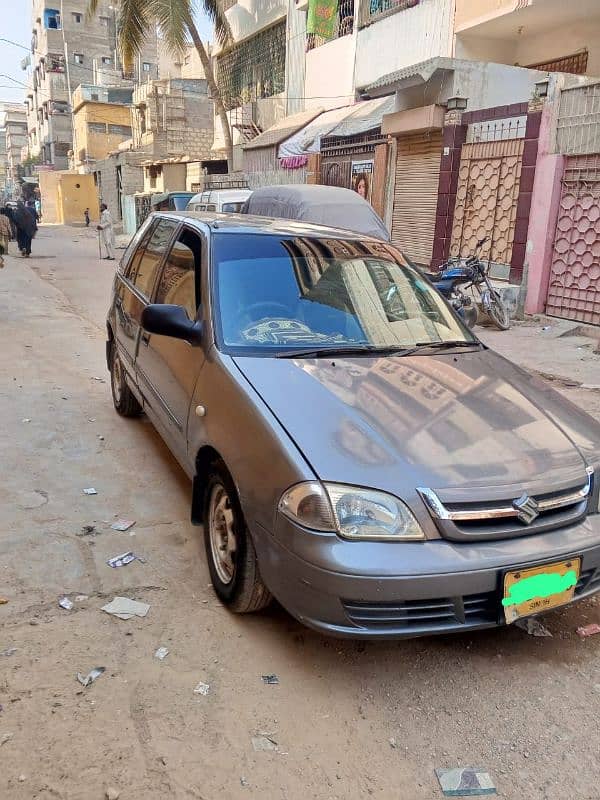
{"points": [[469, 424]]}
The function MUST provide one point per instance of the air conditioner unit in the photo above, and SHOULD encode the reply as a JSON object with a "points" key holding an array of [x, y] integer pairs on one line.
{"points": [[301, 5]]}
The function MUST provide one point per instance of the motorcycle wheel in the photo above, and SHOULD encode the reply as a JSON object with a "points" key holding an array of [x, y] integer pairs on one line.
{"points": [[498, 312]]}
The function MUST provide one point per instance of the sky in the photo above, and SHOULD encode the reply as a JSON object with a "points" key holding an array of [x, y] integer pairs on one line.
{"points": [[16, 26]]}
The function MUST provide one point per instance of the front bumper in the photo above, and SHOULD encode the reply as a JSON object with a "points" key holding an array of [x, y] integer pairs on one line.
{"points": [[403, 590]]}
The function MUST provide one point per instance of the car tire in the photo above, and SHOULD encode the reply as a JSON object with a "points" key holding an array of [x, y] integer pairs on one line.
{"points": [[124, 400], [230, 552]]}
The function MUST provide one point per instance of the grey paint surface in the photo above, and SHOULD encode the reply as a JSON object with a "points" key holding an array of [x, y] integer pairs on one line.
{"points": [[469, 425]]}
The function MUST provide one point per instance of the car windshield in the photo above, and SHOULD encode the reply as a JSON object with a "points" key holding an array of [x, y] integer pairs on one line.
{"points": [[275, 294]]}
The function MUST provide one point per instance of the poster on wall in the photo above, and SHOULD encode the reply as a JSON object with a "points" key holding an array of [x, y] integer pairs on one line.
{"points": [[362, 178], [322, 17]]}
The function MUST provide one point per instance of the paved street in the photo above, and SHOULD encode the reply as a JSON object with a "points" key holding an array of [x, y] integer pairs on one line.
{"points": [[350, 720]]}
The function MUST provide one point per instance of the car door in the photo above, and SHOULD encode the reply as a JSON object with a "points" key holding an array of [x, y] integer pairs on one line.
{"points": [[137, 285], [168, 368]]}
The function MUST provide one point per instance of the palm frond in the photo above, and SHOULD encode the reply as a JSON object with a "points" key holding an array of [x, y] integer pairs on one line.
{"points": [[92, 7], [214, 11], [133, 23], [172, 17]]}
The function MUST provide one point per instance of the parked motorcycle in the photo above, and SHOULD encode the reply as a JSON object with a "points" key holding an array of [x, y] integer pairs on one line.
{"points": [[471, 273]]}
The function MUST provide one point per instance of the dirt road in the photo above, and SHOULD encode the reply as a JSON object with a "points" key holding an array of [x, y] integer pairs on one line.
{"points": [[349, 720]]}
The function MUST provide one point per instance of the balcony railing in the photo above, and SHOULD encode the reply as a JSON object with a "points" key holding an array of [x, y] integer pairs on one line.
{"points": [[344, 25], [374, 10]]}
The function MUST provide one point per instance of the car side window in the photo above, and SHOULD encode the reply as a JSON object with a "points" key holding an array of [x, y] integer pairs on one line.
{"points": [[180, 279], [151, 257], [135, 251]]}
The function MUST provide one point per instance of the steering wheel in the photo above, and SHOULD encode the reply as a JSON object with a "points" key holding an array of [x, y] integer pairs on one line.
{"points": [[257, 311]]}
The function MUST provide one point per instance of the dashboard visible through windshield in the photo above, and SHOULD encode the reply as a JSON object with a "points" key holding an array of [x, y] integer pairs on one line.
{"points": [[277, 293]]}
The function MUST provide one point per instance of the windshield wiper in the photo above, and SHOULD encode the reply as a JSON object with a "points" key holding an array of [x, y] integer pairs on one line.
{"points": [[371, 349], [319, 352]]}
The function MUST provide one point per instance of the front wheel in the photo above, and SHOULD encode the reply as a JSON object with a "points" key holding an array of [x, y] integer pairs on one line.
{"points": [[230, 551], [498, 312]]}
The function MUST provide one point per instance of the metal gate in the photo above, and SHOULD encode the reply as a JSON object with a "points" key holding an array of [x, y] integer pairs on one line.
{"points": [[574, 286], [416, 195], [486, 201]]}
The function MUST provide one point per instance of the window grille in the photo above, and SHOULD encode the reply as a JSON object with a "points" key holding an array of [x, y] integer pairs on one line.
{"points": [[344, 25], [373, 10], [253, 69], [575, 64]]}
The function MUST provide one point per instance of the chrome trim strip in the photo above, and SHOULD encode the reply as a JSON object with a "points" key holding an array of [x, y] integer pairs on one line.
{"points": [[439, 510]]}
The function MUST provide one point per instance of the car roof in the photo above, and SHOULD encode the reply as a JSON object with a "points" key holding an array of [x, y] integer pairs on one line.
{"points": [[221, 194], [246, 223]]}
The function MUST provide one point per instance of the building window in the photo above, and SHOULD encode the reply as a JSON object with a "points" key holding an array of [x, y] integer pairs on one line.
{"points": [[78, 58], [52, 19], [77, 18], [62, 149], [55, 62], [254, 68], [119, 130], [97, 127], [146, 66], [103, 21], [106, 60], [575, 64], [373, 10], [344, 25]]}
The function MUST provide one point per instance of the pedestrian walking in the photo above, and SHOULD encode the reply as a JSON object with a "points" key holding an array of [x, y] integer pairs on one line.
{"points": [[25, 224], [5, 235], [107, 233], [86, 216], [38, 208]]}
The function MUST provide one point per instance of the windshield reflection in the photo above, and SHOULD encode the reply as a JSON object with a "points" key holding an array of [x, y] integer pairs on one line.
{"points": [[276, 293]]}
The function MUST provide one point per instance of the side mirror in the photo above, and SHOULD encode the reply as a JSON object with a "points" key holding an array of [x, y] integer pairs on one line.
{"points": [[168, 320]]}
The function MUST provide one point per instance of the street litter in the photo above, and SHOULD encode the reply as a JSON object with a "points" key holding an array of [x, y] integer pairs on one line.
{"points": [[161, 653], [202, 688], [272, 679], [393, 743], [124, 608], [263, 743], [91, 676], [123, 524], [81, 597], [88, 530], [26, 420], [96, 378], [6, 737], [112, 793], [533, 626], [3, 601], [546, 327], [465, 782], [65, 603], [91, 490], [122, 560], [244, 782], [10, 651], [588, 630]]}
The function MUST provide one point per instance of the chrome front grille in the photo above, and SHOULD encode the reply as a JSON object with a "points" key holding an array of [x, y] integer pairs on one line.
{"points": [[504, 518]]}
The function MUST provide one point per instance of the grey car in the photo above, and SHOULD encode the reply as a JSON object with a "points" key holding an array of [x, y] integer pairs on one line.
{"points": [[354, 450]]}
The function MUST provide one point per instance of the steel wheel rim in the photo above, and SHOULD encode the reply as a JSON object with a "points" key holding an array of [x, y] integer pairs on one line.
{"points": [[117, 379], [223, 540], [499, 311]]}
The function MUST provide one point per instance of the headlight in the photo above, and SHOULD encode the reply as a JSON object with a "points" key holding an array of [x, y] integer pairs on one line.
{"points": [[350, 511]]}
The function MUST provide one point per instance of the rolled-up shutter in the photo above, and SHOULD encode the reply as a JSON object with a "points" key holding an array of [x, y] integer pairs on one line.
{"points": [[416, 195]]}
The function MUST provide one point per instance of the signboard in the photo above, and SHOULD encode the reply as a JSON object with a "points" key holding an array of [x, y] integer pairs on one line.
{"points": [[322, 18], [362, 178]]}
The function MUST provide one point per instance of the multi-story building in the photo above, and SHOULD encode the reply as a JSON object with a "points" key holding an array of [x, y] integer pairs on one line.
{"points": [[68, 49], [3, 165], [15, 124], [174, 117], [101, 122]]}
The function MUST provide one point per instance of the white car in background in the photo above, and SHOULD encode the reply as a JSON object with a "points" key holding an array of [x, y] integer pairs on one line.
{"points": [[223, 201]]}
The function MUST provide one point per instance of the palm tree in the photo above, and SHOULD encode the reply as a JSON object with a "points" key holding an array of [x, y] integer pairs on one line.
{"points": [[175, 21]]}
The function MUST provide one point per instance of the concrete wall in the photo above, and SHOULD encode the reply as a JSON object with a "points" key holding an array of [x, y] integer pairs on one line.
{"points": [[132, 177], [329, 74], [248, 17], [407, 37], [295, 59], [75, 194], [473, 12], [49, 195], [489, 85]]}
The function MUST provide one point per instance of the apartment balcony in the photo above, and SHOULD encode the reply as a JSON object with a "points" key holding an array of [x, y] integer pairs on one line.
{"points": [[549, 35]]}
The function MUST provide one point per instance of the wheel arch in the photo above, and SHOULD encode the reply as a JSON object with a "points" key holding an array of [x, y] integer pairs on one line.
{"points": [[206, 457]]}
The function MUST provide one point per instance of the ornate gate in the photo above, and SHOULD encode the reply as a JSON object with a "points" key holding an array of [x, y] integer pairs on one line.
{"points": [[486, 200], [574, 287]]}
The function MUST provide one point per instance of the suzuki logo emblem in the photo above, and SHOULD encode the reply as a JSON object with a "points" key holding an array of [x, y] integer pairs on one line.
{"points": [[527, 509]]}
